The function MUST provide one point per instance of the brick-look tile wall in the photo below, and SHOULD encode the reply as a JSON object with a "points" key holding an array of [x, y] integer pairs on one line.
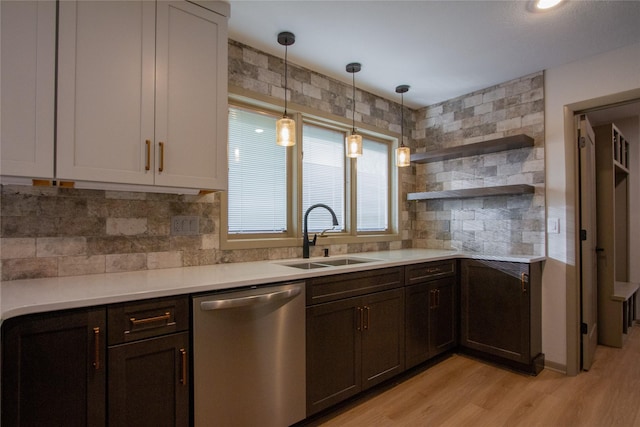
{"points": [[48, 232], [498, 224]]}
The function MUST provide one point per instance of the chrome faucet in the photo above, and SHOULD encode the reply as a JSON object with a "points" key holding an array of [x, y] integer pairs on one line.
{"points": [[305, 238]]}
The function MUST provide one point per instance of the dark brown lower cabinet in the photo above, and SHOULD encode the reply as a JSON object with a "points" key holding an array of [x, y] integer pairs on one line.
{"points": [[501, 312], [148, 382], [431, 319], [353, 344], [53, 369]]}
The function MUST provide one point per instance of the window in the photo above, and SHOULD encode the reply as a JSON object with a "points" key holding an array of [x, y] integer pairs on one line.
{"points": [[271, 187], [257, 196], [323, 175], [373, 187]]}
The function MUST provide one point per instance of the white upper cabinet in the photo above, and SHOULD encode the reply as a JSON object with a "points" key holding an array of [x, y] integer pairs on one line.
{"points": [[28, 88], [142, 94], [191, 96]]}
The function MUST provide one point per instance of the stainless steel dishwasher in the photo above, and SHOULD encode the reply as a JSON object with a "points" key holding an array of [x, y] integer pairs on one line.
{"points": [[249, 357]]}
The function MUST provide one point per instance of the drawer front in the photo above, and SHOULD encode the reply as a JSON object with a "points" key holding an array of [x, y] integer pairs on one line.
{"points": [[418, 273], [138, 320], [331, 288]]}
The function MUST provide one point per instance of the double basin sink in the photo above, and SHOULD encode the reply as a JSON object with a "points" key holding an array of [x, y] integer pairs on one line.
{"points": [[329, 262]]}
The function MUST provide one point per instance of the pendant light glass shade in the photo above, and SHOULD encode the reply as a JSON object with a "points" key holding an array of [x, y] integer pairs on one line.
{"points": [[403, 156], [403, 153], [286, 132], [286, 127], [353, 143]]}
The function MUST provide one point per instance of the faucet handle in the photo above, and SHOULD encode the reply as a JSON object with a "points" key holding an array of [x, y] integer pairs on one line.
{"points": [[323, 232]]}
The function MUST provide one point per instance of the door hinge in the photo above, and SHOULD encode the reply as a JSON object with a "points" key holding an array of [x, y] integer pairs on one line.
{"points": [[583, 234], [584, 328], [582, 142]]}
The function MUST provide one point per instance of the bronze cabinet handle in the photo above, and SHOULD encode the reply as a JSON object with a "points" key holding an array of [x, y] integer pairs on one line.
{"points": [[183, 356], [137, 322], [161, 167], [359, 314], [96, 348], [368, 318], [524, 278], [147, 165]]}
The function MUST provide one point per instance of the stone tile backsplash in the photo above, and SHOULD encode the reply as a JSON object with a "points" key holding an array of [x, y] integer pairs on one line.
{"points": [[49, 231], [499, 225]]}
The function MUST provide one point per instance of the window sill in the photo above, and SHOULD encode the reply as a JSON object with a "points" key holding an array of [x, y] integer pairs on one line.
{"points": [[282, 242]]}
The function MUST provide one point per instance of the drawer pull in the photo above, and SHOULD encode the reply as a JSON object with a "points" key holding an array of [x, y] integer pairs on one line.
{"points": [[141, 322], [183, 356], [434, 270]]}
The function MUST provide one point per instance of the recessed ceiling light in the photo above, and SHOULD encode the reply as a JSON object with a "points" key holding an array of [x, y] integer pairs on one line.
{"points": [[542, 5], [259, 130]]}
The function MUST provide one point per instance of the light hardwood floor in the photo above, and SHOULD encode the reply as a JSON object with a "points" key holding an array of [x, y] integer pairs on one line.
{"points": [[461, 391]]}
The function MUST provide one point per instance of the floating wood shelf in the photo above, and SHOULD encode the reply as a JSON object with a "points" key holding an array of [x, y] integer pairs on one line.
{"points": [[484, 147], [465, 193]]}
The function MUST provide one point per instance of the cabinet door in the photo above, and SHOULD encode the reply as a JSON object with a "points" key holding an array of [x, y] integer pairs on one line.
{"points": [[28, 86], [431, 313], [333, 353], [382, 336], [417, 313], [106, 57], [442, 316], [148, 382], [495, 309], [53, 369], [191, 97]]}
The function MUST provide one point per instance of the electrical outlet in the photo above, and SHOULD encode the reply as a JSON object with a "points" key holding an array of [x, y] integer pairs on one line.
{"points": [[185, 225]]}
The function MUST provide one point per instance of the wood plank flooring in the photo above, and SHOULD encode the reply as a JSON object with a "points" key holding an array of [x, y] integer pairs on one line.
{"points": [[461, 391]]}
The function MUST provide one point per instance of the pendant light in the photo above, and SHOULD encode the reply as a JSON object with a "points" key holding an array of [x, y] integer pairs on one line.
{"points": [[286, 127], [353, 143], [403, 153]]}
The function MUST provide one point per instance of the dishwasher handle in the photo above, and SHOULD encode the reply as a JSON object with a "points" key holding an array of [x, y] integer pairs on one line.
{"points": [[252, 300]]}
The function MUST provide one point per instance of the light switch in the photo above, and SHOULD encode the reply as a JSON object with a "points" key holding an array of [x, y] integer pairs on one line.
{"points": [[553, 225]]}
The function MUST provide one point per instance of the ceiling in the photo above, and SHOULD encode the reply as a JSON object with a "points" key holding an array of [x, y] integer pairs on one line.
{"points": [[442, 49]]}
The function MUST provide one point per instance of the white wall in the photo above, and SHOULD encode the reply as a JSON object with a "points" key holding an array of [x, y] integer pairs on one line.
{"points": [[600, 80]]}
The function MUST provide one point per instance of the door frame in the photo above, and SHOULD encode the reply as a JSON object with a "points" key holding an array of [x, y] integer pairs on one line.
{"points": [[573, 308]]}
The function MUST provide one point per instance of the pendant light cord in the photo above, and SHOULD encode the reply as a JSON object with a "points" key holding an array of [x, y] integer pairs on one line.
{"points": [[353, 111], [402, 119], [286, 48]]}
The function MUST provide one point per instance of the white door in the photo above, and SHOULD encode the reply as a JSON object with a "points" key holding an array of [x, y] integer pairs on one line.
{"points": [[106, 79], [28, 88], [588, 259], [191, 97]]}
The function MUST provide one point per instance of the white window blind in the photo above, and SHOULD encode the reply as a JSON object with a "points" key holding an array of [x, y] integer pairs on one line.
{"points": [[323, 176], [373, 187], [257, 195]]}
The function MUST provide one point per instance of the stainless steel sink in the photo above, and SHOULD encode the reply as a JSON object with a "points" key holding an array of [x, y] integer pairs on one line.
{"points": [[345, 261], [306, 265], [329, 262]]}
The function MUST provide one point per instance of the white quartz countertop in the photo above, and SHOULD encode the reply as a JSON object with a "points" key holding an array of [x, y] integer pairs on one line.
{"points": [[28, 296]]}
